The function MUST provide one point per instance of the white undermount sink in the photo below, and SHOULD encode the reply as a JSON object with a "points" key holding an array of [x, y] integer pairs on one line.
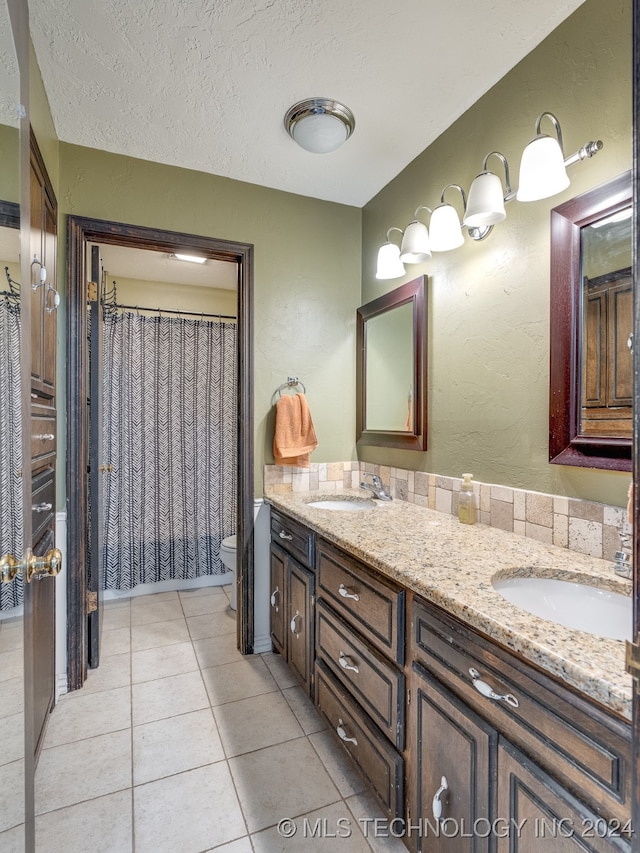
{"points": [[574, 605], [343, 505]]}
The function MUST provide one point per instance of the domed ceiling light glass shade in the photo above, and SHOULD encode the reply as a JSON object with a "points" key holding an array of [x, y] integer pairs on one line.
{"points": [[319, 125], [389, 263], [415, 247], [485, 204], [542, 168], [445, 227]]}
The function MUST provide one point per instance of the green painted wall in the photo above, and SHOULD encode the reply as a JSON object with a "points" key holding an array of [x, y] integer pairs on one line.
{"points": [[307, 275], [488, 303]]}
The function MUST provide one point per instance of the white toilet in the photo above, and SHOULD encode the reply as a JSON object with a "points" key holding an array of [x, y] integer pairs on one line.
{"points": [[228, 555]]}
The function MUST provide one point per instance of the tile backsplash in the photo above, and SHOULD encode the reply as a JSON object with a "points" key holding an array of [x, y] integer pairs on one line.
{"points": [[584, 526]]}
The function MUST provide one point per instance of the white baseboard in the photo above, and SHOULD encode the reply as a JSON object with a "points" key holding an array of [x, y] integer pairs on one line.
{"points": [[262, 644]]}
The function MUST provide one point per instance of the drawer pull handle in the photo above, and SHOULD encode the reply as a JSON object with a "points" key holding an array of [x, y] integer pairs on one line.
{"points": [[43, 507], [293, 623], [343, 660], [47, 436], [275, 592], [284, 535], [344, 592], [486, 690], [343, 735], [436, 805]]}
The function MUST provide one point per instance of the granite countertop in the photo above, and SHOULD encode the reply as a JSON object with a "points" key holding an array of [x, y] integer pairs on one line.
{"points": [[453, 564]]}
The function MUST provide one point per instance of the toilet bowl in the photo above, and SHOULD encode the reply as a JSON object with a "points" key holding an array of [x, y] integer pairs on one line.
{"points": [[228, 556]]}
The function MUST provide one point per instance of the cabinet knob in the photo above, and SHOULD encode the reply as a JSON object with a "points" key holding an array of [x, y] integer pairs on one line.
{"points": [[486, 690], [275, 592], [436, 805], [343, 735], [284, 535], [42, 507], [294, 623], [345, 663], [344, 592]]}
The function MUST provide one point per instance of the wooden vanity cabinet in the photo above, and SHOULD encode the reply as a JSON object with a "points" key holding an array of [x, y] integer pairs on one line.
{"points": [[292, 596], [536, 751], [360, 680]]}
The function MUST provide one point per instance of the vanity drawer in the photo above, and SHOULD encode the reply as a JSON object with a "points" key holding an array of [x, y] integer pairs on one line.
{"points": [[370, 603], [372, 752], [370, 678], [572, 738], [295, 538]]}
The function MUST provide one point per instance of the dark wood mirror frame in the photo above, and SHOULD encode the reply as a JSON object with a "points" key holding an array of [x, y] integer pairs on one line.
{"points": [[416, 292], [567, 446]]}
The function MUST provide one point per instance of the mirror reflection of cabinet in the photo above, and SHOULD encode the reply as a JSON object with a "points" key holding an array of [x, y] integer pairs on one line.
{"points": [[591, 379], [391, 369]]}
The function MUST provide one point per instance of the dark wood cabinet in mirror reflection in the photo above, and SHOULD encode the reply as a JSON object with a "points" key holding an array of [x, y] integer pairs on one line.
{"points": [[590, 399]]}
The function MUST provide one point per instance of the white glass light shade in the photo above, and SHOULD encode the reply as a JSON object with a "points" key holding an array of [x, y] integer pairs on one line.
{"points": [[389, 263], [415, 243], [542, 170], [485, 205], [446, 231], [319, 133]]}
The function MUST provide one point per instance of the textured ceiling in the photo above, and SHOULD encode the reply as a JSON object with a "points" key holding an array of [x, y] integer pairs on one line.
{"points": [[204, 84]]}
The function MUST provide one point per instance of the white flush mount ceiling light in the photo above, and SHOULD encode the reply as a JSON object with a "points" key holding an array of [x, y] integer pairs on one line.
{"points": [[194, 259], [319, 125]]}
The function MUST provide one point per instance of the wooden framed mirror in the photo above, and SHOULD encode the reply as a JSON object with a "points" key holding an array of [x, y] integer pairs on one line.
{"points": [[591, 375], [391, 369]]}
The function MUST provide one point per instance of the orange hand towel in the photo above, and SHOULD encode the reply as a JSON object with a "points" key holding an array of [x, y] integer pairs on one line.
{"points": [[294, 436]]}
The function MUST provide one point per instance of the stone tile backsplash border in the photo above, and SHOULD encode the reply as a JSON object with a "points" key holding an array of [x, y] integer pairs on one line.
{"points": [[583, 526]]}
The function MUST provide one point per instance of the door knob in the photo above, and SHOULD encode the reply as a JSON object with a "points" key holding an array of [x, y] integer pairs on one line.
{"points": [[30, 565], [105, 469]]}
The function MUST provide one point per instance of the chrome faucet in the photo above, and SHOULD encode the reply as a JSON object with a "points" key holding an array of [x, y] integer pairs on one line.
{"points": [[623, 558], [376, 487]]}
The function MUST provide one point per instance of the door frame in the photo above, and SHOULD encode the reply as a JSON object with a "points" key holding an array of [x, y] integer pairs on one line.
{"points": [[80, 232]]}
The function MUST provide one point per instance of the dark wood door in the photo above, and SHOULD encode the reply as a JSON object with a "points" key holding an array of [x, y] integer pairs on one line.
{"points": [[453, 774], [40, 470], [98, 468], [300, 587], [537, 815], [278, 600]]}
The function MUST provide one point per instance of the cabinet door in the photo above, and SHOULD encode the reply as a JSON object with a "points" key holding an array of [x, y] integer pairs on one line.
{"points": [[300, 583], [450, 746], [278, 599], [537, 815]]}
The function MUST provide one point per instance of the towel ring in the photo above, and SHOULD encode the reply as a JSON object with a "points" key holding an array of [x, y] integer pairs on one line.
{"points": [[291, 382]]}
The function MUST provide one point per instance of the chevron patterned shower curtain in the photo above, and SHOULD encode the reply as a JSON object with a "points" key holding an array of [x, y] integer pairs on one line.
{"points": [[10, 447], [170, 433]]}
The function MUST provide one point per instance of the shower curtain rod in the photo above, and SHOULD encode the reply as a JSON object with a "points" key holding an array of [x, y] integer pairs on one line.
{"points": [[114, 305]]}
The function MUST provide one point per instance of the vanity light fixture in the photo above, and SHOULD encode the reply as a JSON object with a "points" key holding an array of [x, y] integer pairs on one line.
{"points": [[542, 169], [446, 229], [543, 173], [415, 246], [485, 205], [389, 263], [319, 125]]}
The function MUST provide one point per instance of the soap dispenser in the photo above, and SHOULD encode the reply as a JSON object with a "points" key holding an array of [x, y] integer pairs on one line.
{"points": [[467, 501]]}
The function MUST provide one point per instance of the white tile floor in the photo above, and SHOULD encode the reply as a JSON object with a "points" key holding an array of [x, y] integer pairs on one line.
{"points": [[179, 744]]}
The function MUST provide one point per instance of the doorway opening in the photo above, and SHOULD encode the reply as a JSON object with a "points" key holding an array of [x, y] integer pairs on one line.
{"points": [[114, 238]]}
